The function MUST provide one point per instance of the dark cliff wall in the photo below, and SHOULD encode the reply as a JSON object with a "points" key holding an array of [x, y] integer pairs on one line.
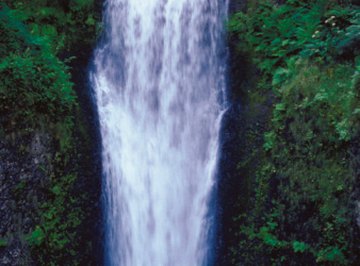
{"points": [[271, 209], [50, 173]]}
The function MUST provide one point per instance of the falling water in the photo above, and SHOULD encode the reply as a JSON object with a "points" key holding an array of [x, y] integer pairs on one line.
{"points": [[159, 86]]}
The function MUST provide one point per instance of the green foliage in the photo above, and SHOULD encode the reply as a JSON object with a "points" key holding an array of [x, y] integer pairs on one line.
{"points": [[320, 30], [300, 246], [3, 242], [60, 219], [38, 40], [35, 87], [36, 237], [308, 53], [269, 140], [331, 254], [63, 24]]}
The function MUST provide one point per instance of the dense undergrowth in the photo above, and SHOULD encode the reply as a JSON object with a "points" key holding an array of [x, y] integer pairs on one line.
{"points": [[303, 179], [37, 43]]}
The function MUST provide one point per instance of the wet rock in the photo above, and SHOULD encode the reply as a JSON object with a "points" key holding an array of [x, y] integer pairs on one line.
{"points": [[357, 210], [20, 186]]}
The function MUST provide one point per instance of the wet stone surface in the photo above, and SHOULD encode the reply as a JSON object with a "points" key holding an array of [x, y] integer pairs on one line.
{"points": [[22, 176]]}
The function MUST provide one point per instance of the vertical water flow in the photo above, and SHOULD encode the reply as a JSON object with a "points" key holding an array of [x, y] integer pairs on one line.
{"points": [[159, 86]]}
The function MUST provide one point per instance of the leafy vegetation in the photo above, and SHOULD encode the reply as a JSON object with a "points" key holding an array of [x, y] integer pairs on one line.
{"points": [[35, 87], [3, 242], [307, 57], [38, 41]]}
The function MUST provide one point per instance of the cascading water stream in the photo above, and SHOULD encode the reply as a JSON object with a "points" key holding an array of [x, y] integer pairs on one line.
{"points": [[159, 82]]}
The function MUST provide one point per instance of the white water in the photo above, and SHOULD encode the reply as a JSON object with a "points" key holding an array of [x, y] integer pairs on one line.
{"points": [[159, 86]]}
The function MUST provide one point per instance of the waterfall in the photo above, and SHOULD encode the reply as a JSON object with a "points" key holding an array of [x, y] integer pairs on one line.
{"points": [[159, 84]]}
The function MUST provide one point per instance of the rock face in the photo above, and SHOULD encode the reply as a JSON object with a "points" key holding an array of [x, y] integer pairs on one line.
{"points": [[242, 135], [358, 213], [23, 170], [33, 163]]}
